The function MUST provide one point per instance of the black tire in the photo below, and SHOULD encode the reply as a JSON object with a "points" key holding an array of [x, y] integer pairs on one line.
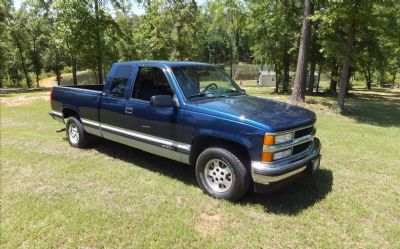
{"points": [[240, 176], [83, 138]]}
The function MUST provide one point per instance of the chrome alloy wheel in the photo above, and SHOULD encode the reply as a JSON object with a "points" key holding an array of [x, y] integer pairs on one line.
{"points": [[218, 175], [73, 133]]}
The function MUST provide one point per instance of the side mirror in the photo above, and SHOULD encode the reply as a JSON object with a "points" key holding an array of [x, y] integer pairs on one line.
{"points": [[243, 91], [162, 101]]}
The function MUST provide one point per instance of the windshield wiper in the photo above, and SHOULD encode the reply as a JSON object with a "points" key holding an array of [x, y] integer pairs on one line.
{"points": [[234, 91], [201, 94]]}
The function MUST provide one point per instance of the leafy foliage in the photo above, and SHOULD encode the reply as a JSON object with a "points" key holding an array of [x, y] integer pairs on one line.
{"points": [[42, 36]]}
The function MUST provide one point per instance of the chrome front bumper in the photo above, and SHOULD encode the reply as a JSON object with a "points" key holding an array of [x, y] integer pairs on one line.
{"points": [[267, 173]]}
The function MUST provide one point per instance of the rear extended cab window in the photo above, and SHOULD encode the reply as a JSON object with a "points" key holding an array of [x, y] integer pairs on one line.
{"points": [[119, 81]]}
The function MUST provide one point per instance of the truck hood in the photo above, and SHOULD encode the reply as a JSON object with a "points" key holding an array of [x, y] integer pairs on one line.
{"points": [[269, 114]]}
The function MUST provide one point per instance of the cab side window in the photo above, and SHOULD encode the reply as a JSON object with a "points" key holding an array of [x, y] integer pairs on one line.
{"points": [[150, 81], [119, 81]]}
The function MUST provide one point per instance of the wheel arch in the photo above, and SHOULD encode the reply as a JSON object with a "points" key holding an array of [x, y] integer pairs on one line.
{"points": [[69, 112], [203, 142]]}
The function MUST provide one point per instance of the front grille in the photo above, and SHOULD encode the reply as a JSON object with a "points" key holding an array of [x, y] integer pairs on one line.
{"points": [[300, 148], [303, 140], [303, 132]]}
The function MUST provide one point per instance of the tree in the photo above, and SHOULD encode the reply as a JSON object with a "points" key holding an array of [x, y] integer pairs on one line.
{"points": [[37, 30], [228, 22], [301, 69], [17, 22], [71, 33], [344, 80], [274, 28], [5, 55]]}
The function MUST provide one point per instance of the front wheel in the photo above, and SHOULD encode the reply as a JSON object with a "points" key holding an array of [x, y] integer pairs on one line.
{"points": [[221, 174]]}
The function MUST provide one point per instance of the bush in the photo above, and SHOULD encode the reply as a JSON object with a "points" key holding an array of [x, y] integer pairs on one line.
{"points": [[66, 69]]}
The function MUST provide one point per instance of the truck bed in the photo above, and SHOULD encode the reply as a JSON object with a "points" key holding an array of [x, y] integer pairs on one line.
{"points": [[82, 99]]}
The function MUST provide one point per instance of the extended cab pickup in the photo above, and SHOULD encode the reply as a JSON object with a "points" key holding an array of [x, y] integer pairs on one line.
{"points": [[195, 114]]}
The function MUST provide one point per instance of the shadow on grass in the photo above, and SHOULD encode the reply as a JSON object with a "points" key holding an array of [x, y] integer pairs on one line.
{"points": [[375, 109], [138, 158], [290, 200], [379, 107], [301, 194]]}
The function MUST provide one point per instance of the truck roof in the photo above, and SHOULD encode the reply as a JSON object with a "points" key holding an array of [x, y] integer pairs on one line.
{"points": [[162, 63]]}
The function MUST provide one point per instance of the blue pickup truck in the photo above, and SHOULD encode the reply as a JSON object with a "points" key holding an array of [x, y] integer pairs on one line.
{"points": [[195, 114]]}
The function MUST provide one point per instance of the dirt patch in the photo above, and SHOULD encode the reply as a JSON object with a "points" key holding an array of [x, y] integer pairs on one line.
{"points": [[22, 100], [208, 224], [84, 77], [48, 82]]}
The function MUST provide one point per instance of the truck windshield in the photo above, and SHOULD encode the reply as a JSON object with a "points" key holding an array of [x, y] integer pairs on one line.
{"points": [[205, 82]]}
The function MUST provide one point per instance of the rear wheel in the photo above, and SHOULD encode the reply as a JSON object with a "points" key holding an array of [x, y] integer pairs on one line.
{"points": [[222, 174], [76, 135]]}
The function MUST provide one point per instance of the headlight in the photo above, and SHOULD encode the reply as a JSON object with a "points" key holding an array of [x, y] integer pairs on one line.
{"points": [[282, 154], [270, 140], [280, 139]]}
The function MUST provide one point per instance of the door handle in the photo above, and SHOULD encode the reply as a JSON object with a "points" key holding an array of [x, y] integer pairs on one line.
{"points": [[128, 110]]}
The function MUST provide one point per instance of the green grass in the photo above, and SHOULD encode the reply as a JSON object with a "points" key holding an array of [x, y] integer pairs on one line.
{"points": [[111, 195]]}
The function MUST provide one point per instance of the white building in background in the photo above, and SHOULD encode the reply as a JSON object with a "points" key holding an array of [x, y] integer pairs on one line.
{"points": [[268, 78]]}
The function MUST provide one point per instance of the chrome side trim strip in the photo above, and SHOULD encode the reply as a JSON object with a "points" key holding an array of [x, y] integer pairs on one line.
{"points": [[92, 130], [91, 127], [147, 137], [90, 122], [59, 114], [152, 144], [154, 149]]}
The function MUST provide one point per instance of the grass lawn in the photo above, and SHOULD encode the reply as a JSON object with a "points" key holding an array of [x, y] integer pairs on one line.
{"points": [[111, 195]]}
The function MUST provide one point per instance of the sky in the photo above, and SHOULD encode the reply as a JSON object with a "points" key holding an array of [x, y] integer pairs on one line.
{"points": [[136, 8]]}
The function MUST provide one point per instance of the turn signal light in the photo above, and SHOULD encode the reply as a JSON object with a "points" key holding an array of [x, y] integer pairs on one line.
{"points": [[267, 156], [269, 140]]}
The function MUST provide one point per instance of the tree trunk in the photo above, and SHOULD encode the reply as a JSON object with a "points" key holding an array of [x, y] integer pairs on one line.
{"points": [[286, 70], [237, 42], [36, 60], [301, 68], [351, 69], [367, 75], [313, 63], [312, 77], [74, 67], [319, 75], [334, 75], [37, 79], [394, 78], [381, 77], [57, 70], [99, 43], [285, 65], [344, 81], [179, 32], [277, 78], [18, 43], [231, 61]]}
